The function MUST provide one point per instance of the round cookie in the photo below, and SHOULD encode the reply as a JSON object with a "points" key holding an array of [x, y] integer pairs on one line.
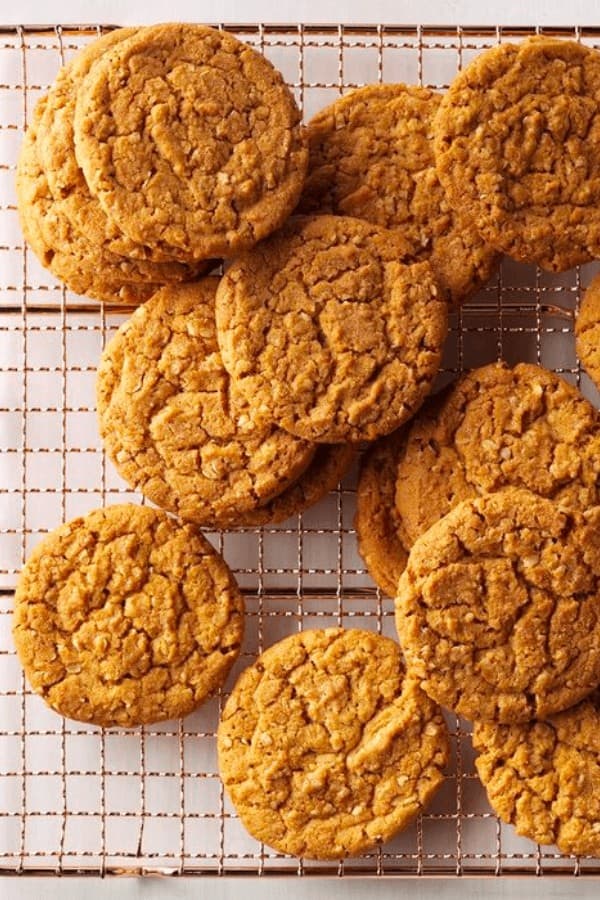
{"points": [[326, 469], [85, 268], [371, 156], [123, 617], [516, 148], [190, 140], [326, 747], [378, 526], [326, 330], [498, 609], [587, 331], [173, 424], [544, 777], [499, 427]]}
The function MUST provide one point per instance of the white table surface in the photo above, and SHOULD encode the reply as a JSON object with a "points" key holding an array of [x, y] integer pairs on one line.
{"points": [[425, 12], [307, 889], [448, 12]]}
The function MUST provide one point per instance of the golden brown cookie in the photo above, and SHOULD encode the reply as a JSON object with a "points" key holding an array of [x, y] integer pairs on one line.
{"points": [[371, 156], [326, 469], [499, 427], [377, 523], [496, 427], [75, 262], [544, 777], [326, 331], [56, 148], [123, 617], [587, 331], [517, 140], [326, 747], [190, 140], [84, 267], [56, 151], [173, 424], [498, 609]]}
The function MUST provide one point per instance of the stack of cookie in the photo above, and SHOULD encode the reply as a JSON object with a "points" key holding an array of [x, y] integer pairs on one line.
{"points": [[496, 427], [498, 613], [238, 401], [483, 518], [155, 150], [371, 156], [178, 430]]}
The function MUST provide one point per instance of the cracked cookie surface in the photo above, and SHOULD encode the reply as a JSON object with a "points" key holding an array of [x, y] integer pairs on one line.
{"points": [[516, 149], [86, 268], [544, 777], [124, 617], [190, 140], [56, 150], [326, 469], [498, 427], [328, 333], [371, 156], [326, 747], [587, 331], [66, 181], [173, 423], [498, 609]]}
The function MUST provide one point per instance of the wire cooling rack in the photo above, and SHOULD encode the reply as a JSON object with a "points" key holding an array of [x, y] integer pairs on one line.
{"points": [[81, 799]]}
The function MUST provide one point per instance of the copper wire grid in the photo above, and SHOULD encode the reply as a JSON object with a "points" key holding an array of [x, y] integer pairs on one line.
{"points": [[107, 801]]}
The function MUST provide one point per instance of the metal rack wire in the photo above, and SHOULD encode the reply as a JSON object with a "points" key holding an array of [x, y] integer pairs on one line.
{"points": [[86, 800]]}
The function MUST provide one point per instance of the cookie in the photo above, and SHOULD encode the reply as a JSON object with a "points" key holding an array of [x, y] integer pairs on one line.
{"points": [[371, 156], [66, 180], [587, 331], [175, 427], [323, 328], [326, 747], [499, 427], [498, 609], [544, 777], [496, 427], [516, 148], [377, 523], [79, 264], [326, 469], [123, 617], [190, 140], [56, 150], [85, 268]]}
